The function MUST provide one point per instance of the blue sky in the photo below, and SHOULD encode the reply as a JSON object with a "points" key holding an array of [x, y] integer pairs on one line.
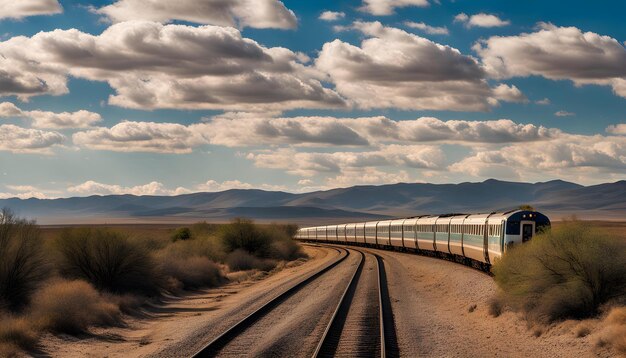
{"points": [[111, 97]]}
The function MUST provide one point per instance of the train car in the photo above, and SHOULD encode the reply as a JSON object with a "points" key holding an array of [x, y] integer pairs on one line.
{"points": [[481, 238]]}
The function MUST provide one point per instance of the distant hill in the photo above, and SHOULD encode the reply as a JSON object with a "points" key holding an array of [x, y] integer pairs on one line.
{"points": [[556, 198]]}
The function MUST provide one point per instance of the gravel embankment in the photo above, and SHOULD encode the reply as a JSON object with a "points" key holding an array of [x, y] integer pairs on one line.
{"points": [[433, 309]]}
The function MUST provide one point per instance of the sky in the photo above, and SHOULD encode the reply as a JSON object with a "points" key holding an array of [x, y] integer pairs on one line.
{"points": [[154, 97]]}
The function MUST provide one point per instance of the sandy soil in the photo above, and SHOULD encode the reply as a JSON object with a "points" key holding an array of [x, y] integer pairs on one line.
{"points": [[182, 325], [440, 310], [433, 305]]}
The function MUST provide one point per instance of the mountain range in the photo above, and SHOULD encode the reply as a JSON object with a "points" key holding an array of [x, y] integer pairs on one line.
{"points": [[557, 199]]}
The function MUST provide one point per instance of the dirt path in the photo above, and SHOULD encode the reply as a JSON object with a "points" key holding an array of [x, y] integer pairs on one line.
{"points": [[441, 310], [181, 326]]}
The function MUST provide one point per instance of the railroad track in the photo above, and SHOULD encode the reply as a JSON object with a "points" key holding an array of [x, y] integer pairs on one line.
{"points": [[213, 348], [384, 331]]}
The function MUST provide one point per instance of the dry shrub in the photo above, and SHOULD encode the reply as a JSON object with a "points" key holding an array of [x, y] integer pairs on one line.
{"points": [[108, 260], [566, 272], [208, 247], [240, 260], [22, 264], [614, 332], [243, 234], [127, 303], [72, 307], [16, 332], [193, 272]]}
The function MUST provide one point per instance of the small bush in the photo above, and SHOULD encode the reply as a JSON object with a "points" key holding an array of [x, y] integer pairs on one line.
{"points": [[240, 260], [614, 332], [193, 272], [108, 260], [183, 233], [17, 332], [566, 272], [22, 264], [71, 307], [242, 234]]}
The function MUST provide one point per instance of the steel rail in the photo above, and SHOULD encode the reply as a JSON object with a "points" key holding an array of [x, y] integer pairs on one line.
{"points": [[213, 347], [328, 343]]}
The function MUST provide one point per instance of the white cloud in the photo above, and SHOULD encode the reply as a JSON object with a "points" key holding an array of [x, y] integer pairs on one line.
{"points": [[24, 192], [557, 53], [240, 13], [308, 164], [46, 119], [563, 113], [619, 129], [327, 131], [332, 15], [543, 102], [18, 9], [396, 69], [566, 156], [24, 140], [388, 7], [481, 20], [509, 94], [433, 30], [94, 188], [140, 137], [8, 109], [150, 65]]}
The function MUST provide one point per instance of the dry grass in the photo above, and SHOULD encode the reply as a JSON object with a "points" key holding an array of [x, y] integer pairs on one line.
{"points": [[192, 272], [614, 331], [72, 307], [16, 333], [107, 259], [22, 263], [567, 272]]}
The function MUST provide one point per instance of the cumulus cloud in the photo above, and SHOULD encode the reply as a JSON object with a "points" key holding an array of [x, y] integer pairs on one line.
{"points": [[18, 9], [564, 156], [238, 13], [94, 188], [130, 136], [332, 15], [481, 20], [25, 140], [150, 65], [543, 102], [309, 164], [325, 131], [619, 129], [52, 120], [563, 113], [396, 69], [25, 192], [388, 7], [557, 53], [509, 94], [433, 30]]}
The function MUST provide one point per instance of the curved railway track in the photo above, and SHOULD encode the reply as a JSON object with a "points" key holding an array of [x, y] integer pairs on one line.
{"points": [[385, 333], [213, 348], [383, 330]]}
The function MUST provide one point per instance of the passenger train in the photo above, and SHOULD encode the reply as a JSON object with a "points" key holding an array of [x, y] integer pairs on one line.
{"points": [[477, 239]]}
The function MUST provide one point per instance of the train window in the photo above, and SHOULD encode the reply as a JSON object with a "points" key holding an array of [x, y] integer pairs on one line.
{"points": [[512, 228]]}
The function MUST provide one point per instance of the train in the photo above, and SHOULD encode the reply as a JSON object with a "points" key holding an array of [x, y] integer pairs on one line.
{"points": [[477, 240]]}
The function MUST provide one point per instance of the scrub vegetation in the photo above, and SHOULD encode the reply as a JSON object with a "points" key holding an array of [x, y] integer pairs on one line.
{"points": [[573, 271], [69, 280]]}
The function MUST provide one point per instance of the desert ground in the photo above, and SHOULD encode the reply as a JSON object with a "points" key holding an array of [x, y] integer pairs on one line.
{"points": [[441, 309]]}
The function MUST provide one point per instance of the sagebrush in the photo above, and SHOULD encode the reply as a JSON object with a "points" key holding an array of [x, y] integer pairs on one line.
{"points": [[567, 272]]}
